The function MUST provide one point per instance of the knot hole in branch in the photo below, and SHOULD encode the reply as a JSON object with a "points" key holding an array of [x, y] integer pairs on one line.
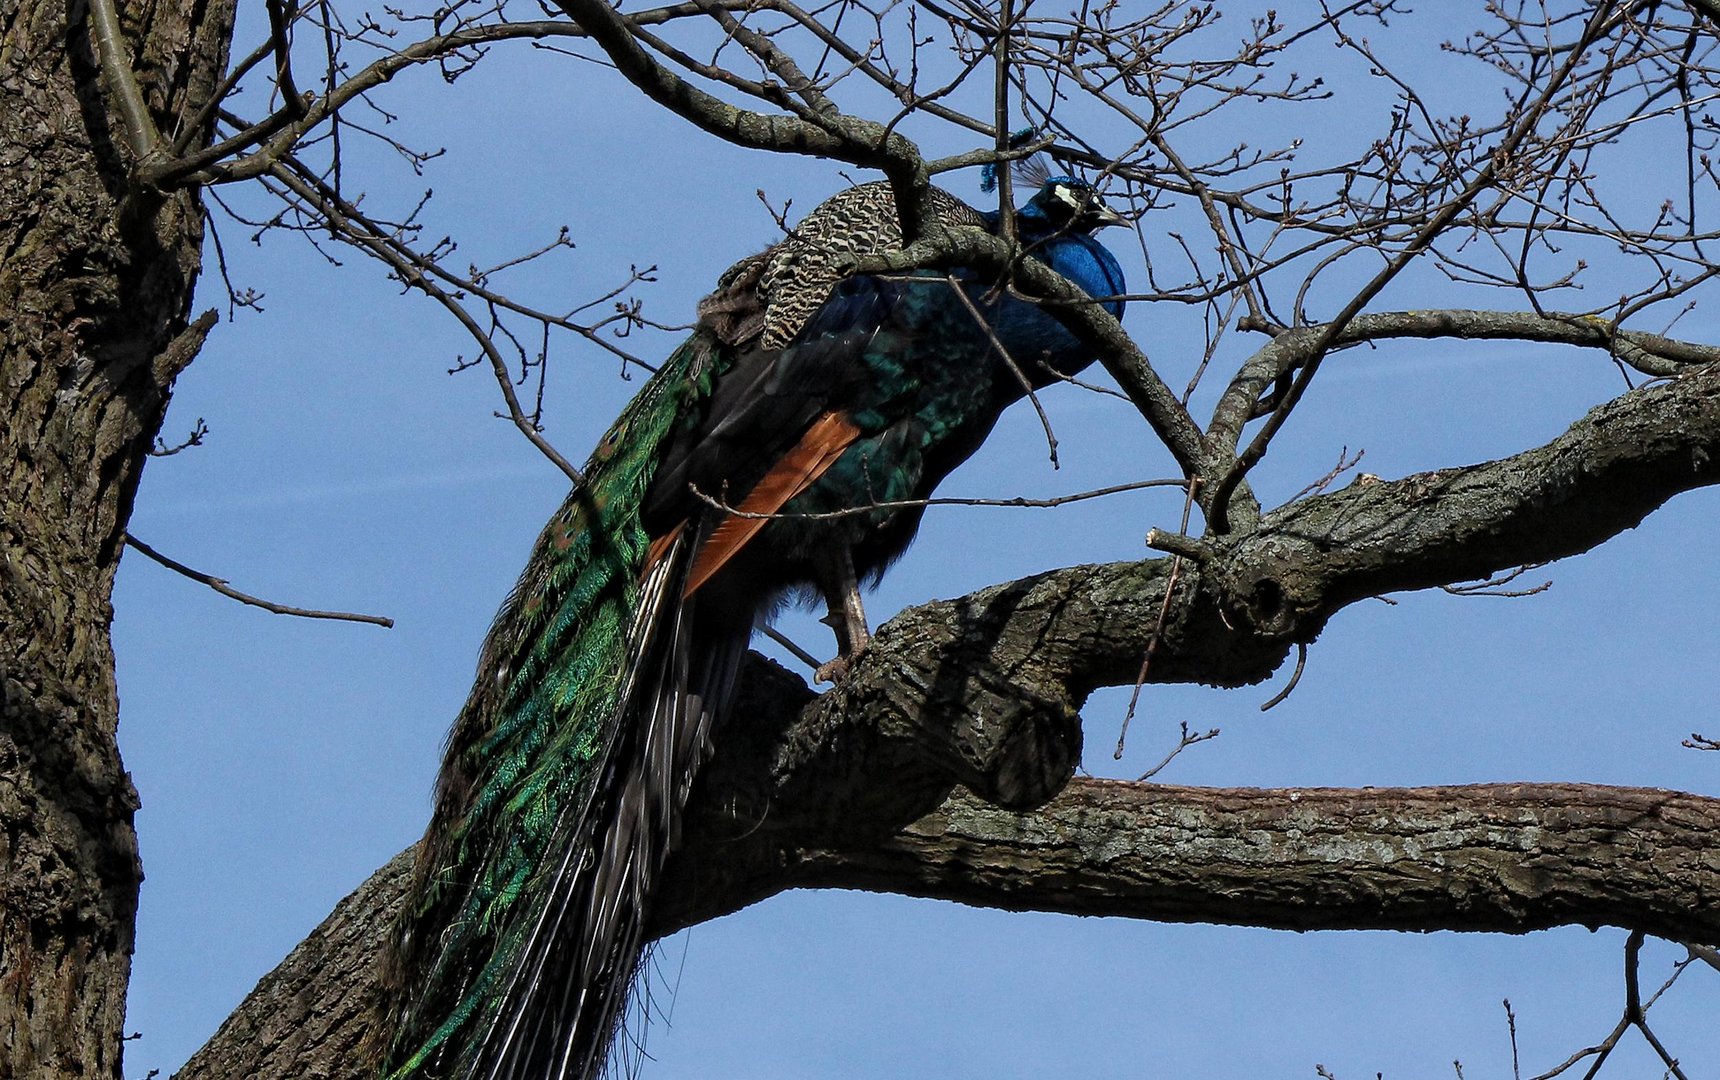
{"points": [[1263, 607]]}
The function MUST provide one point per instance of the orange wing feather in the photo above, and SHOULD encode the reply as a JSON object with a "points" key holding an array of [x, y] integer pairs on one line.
{"points": [[660, 546], [817, 450]]}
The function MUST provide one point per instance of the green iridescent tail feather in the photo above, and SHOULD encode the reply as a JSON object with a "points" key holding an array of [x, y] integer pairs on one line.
{"points": [[526, 757]]}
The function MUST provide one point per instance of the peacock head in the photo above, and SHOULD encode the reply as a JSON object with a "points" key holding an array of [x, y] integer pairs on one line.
{"points": [[1068, 204]]}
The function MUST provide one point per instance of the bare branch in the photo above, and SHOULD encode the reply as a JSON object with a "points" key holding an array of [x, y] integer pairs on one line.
{"points": [[1651, 354], [1009, 502], [220, 585], [198, 431], [845, 138], [141, 133], [1185, 739]]}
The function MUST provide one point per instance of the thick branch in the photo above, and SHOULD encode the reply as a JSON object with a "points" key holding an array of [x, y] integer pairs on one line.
{"points": [[1505, 857], [116, 65], [1495, 857]]}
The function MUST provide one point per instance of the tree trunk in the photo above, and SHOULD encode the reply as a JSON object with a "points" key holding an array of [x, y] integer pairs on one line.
{"points": [[95, 290]]}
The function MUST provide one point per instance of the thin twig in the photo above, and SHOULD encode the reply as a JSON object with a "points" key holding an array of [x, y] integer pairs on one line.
{"points": [[1218, 516], [1000, 120], [1015, 502], [1511, 1023], [1492, 586], [1344, 465], [198, 431], [1295, 677], [1158, 627], [1635, 1015], [788, 643], [1183, 743], [1009, 361], [220, 585]]}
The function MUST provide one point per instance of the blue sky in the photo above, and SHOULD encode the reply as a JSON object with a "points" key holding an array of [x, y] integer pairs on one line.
{"points": [[280, 761]]}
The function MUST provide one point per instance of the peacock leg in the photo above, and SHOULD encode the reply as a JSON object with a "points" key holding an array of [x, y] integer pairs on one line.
{"points": [[847, 616]]}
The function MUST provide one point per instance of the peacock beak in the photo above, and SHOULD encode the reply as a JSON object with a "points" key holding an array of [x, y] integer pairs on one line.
{"points": [[1102, 215]]}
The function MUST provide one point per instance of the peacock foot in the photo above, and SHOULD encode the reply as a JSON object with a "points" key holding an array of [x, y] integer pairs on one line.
{"points": [[835, 670]]}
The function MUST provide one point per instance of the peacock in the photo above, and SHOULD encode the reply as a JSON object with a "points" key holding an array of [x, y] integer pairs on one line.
{"points": [[801, 392]]}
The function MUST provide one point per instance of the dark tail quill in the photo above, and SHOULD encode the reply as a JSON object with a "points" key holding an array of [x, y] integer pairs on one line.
{"points": [[564, 999]]}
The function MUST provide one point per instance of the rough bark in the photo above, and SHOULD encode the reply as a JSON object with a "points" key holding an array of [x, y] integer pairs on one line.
{"points": [[1482, 857], [95, 287]]}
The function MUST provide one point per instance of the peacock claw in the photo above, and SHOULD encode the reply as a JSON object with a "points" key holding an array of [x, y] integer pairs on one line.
{"points": [[831, 671], [835, 670]]}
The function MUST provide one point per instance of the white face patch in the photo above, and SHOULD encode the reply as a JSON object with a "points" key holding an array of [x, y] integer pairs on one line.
{"points": [[1069, 197]]}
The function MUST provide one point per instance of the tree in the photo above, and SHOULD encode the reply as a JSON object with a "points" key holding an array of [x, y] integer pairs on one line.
{"points": [[1286, 252]]}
